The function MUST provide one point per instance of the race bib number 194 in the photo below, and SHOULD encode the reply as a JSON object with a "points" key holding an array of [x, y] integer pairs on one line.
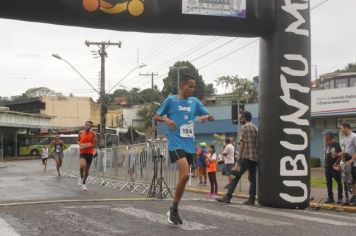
{"points": [[187, 131]]}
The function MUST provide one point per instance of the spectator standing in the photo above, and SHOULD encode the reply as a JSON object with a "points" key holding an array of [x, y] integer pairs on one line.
{"points": [[228, 155], [331, 153], [201, 153], [349, 146], [248, 159], [212, 164], [346, 168]]}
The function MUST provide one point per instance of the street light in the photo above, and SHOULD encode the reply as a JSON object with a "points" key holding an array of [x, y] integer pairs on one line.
{"points": [[137, 67], [61, 58], [178, 68]]}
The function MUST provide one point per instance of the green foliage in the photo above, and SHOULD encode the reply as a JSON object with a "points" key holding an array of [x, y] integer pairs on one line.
{"points": [[135, 96], [351, 67], [315, 162], [209, 89], [171, 82], [242, 89], [36, 92]]}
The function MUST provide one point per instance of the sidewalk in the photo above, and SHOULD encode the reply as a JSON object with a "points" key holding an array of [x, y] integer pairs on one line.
{"points": [[318, 195]]}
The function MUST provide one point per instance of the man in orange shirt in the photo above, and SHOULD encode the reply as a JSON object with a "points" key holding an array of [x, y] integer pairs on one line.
{"points": [[87, 143]]}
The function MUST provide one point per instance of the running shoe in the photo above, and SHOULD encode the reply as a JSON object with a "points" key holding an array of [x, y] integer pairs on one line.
{"points": [[173, 217], [80, 181], [84, 187]]}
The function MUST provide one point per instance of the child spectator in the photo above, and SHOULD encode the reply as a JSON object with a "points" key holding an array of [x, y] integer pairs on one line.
{"points": [[201, 163], [211, 163], [346, 176], [45, 154]]}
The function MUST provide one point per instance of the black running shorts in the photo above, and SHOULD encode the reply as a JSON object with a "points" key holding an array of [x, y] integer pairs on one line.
{"points": [[179, 154], [87, 157]]}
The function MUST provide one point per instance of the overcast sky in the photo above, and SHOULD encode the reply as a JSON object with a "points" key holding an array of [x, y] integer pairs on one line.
{"points": [[26, 48]]}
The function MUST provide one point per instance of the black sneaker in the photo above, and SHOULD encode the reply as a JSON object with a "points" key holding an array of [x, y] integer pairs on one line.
{"points": [[173, 217], [249, 202], [329, 201], [224, 199], [352, 201], [346, 202]]}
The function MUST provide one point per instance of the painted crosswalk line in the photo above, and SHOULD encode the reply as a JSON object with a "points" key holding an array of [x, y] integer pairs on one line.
{"points": [[6, 229], [345, 216], [235, 217], [162, 219], [79, 221], [304, 217]]}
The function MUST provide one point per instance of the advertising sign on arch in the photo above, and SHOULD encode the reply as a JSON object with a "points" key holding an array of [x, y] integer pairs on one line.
{"points": [[227, 8]]}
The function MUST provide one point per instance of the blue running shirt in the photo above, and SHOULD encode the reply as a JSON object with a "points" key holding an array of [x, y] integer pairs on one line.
{"points": [[183, 113]]}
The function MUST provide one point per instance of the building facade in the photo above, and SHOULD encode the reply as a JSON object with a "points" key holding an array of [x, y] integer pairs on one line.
{"points": [[67, 112]]}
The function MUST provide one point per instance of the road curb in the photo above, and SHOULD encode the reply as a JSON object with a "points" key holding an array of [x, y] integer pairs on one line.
{"points": [[313, 205], [333, 207], [200, 191]]}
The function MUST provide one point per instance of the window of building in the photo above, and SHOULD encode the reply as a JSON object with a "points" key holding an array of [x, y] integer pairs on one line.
{"points": [[353, 82], [319, 123], [342, 83], [326, 85], [332, 84]]}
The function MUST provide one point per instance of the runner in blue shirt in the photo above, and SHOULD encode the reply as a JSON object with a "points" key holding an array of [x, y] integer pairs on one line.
{"points": [[179, 113]]}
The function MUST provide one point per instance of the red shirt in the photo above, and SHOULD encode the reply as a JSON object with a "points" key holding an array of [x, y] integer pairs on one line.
{"points": [[87, 138]]}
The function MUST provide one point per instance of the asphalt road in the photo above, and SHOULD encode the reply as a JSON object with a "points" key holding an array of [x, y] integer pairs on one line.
{"points": [[36, 203]]}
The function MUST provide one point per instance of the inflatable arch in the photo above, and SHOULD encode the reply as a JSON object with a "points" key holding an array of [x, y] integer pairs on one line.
{"points": [[284, 30]]}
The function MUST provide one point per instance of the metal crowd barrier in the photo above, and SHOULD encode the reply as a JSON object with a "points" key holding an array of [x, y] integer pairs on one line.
{"points": [[129, 168]]}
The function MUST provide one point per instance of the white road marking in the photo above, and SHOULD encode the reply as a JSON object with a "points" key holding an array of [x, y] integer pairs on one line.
{"points": [[78, 221], [347, 216], [236, 217], [294, 216], [6, 229], [87, 207], [162, 219], [95, 206]]}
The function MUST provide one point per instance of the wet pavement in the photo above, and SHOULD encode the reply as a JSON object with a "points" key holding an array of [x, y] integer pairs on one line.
{"points": [[37, 203]]}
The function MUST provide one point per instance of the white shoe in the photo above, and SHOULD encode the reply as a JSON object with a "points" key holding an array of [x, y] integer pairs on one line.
{"points": [[84, 188], [80, 181]]}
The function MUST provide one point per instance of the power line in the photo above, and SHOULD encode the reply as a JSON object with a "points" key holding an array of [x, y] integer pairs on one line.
{"points": [[318, 4]]}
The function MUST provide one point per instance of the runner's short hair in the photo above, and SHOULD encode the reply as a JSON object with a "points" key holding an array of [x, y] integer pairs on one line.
{"points": [[227, 140], [247, 115], [346, 125], [89, 122]]}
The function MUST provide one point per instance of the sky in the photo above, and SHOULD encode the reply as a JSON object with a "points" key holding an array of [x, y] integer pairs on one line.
{"points": [[26, 49]]}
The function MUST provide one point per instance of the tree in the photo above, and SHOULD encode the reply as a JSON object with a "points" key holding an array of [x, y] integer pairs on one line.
{"points": [[41, 91], [36, 92], [151, 95], [170, 82], [146, 113], [242, 89], [351, 67], [113, 98], [209, 89], [3, 100]]}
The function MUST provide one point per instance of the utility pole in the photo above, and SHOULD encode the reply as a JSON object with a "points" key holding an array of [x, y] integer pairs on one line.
{"points": [[103, 106], [178, 68], [152, 86]]}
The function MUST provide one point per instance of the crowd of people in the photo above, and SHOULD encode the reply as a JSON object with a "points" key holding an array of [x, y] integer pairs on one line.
{"points": [[340, 165]]}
